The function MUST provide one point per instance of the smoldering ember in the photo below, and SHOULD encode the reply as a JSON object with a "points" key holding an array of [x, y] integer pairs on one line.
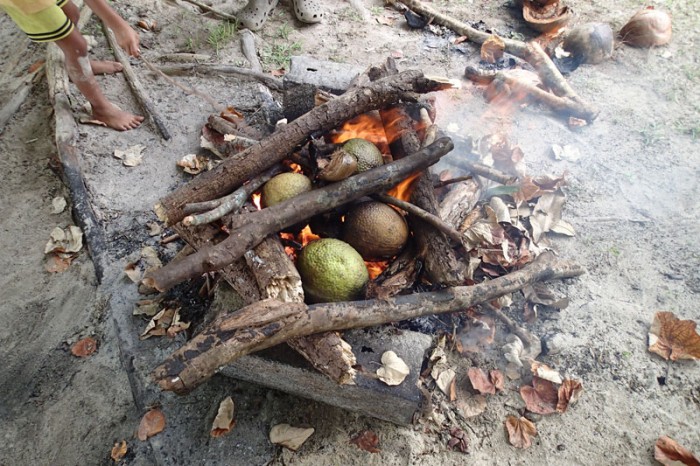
{"points": [[398, 232]]}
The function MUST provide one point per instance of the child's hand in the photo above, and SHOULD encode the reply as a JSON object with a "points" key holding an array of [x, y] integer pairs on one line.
{"points": [[128, 39]]}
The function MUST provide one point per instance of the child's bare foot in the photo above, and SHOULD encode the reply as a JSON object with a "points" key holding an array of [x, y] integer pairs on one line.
{"points": [[116, 118], [105, 67]]}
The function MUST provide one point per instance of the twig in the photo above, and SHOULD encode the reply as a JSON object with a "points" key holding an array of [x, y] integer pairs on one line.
{"points": [[212, 10], [215, 68], [187, 90], [135, 84], [531, 342], [434, 220], [170, 239], [459, 179], [248, 48], [484, 170], [509, 84], [233, 201]]}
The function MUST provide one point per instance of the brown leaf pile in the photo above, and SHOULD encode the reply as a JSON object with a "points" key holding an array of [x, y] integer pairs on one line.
{"points": [[152, 422], [670, 453], [672, 338], [520, 431]]}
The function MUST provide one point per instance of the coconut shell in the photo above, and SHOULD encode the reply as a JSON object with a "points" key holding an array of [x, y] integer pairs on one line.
{"points": [[546, 16], [647, 28], [590, 42]]}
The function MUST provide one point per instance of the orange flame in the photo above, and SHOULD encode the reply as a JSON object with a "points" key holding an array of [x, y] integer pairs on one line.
{"points": [[366, 126], [256, 201], [306, 236], [294, 167], [404, 189], [376, 268]]}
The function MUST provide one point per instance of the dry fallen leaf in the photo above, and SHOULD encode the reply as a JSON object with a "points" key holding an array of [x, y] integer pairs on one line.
{"points": [[393, 370], [492, 49], [147, 307], [290, 437], [458, 439], [151, 423], [513, 350], [367, 440], [545, 372], [56, 263], [58, 204], [520, 431], [670, 453], [568, 394], [480, 381], [445, 380], [119, 451], [541, 397], [166, 322], [223, 422], [470, 405], [83, 348], [67, 240], [497, 379], [193, 163], [672, 338], [131, 156]]}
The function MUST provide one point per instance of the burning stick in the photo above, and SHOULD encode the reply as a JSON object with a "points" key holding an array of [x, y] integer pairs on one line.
{"points": [[506, 84], [238, 168], [531, 52], [287, 213], [135, 84], [268, 323]]}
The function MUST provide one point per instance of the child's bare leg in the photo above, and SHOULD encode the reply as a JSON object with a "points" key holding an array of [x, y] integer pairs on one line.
{"points": [[98, 66], [78, 67]]}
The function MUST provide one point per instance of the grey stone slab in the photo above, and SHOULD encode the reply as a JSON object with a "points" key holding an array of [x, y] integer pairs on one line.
{"points": [[328, 75], [369, 396]]}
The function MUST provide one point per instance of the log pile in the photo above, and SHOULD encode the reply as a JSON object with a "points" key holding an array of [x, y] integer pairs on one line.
{"points": [[245, 249]]}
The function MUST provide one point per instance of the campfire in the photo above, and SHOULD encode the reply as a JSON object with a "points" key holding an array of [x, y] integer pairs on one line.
{"points": [[261, 243]]}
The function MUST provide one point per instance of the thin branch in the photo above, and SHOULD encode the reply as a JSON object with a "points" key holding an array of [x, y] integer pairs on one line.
{"points": [[216, 68], [484, 170], [234, 201], [135, 85], [187, 90], [459, 179], [212, 10]]}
